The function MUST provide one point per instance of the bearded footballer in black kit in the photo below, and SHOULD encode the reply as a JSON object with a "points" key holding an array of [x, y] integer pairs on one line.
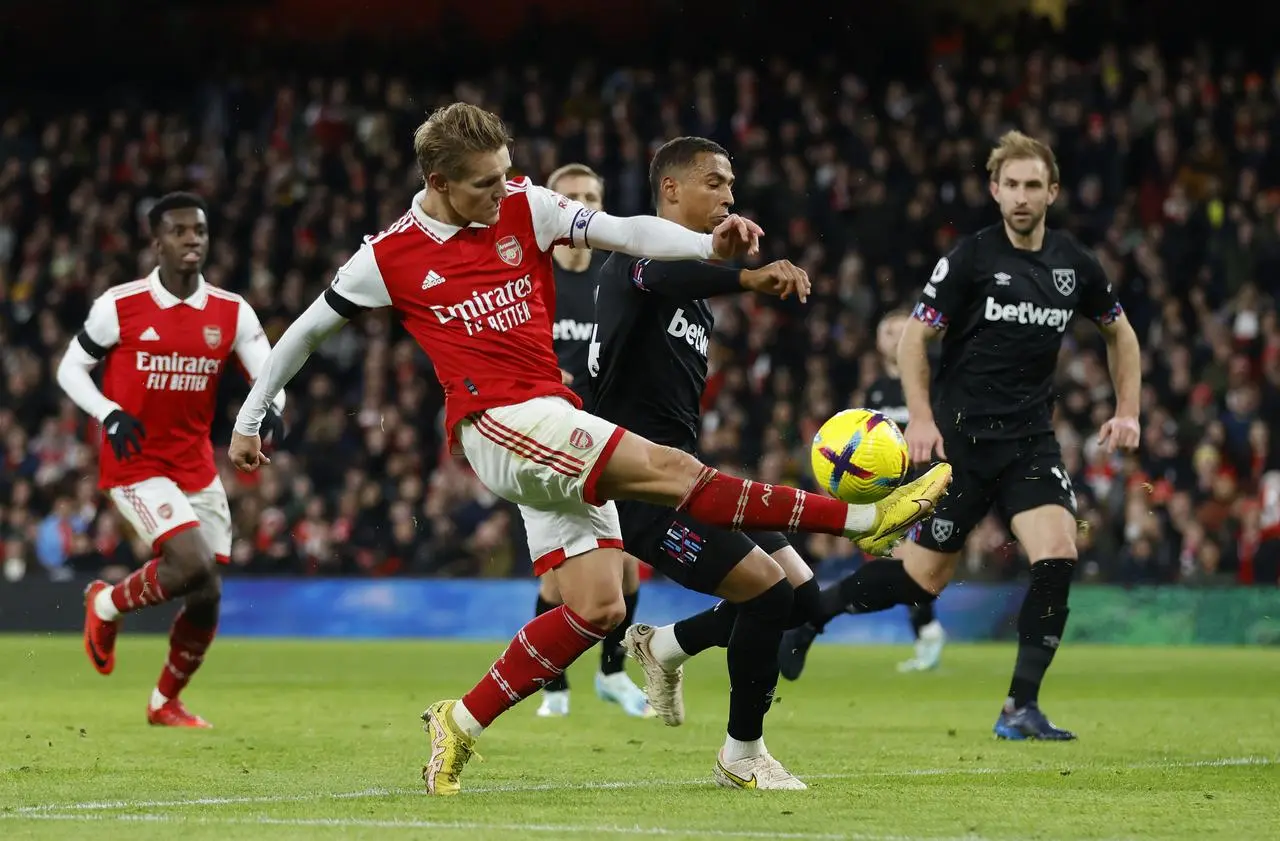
{"points": [[649, 368], [577, 271], [1001, 300]]}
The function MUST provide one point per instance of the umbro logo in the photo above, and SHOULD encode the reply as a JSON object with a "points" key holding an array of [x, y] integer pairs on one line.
{"points": [[1002, 279], [149, 335], [432, 279]]}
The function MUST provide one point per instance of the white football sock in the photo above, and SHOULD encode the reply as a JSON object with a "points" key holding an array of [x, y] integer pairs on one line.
{"points": [[104, 607], [157, 700], [466, 721], [734, 750], [666, 649], [860, 519]]}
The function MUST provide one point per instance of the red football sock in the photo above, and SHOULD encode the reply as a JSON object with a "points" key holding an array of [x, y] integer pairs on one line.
{"points": [[730, 502], [542, 650], [139, 590], [187, 644]]}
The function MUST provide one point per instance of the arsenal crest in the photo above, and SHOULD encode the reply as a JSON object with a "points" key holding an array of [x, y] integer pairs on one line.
{"points": [[581, 439], [509, 250], [212, 335], [165, 511], [942, 529], [1065, 280]]}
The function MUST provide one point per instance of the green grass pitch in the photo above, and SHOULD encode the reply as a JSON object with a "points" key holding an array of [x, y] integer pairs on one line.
{"points": [[321, 740]]}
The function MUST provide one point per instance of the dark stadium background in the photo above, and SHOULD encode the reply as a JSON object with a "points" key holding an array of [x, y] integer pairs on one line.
{"points": [[295, 118]]}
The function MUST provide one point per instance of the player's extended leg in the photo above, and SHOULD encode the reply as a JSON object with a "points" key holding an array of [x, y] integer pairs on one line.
{"points": [[914, 576], [555, 693], [190, 636], [642, 470], [1047, 535], [761, 596], [612, 681]]}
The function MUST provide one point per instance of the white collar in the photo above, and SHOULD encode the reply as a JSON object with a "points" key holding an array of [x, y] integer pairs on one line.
{"points": [[442, 231], [167, 300]]}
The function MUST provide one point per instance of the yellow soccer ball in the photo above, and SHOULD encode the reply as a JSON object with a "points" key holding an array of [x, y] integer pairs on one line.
{"points": [[859, 456]]}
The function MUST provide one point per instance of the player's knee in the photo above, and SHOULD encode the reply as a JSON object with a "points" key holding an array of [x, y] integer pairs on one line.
{"points": [[193, 560], [605, 612], [774, 604], [202, 604], [1054, 546]]}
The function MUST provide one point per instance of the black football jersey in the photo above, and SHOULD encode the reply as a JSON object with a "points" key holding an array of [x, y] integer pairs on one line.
{"points": [[885, 396], [575, 321], [1005, 310], [653, 329]]}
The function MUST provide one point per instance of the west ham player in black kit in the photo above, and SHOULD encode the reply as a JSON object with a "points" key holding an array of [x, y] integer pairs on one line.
{"points": [[1001, 301], [648, 372], [577, 270], [884, 395]]}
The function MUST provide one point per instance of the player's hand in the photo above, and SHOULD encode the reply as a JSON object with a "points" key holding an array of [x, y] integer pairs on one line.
{"points": [[246, 452], [923, 440], [781, 278], [735, 237], [272, 428], [565, 377], [1120, 433], [125, 432]]}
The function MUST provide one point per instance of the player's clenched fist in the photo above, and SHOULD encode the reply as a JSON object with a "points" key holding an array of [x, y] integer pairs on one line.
{"points": [[736, 236], [782, 278], [246, 452]]}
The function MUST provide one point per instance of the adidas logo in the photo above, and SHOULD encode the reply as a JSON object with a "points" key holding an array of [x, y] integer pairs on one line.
{"points": [[1002, 279], [149, 335], [432, 279]]}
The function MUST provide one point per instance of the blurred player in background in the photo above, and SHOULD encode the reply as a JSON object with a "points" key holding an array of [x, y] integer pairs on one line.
{"points": [[1001, 301], [166, 341], [469, 270], [884, 395], [577, 272]]}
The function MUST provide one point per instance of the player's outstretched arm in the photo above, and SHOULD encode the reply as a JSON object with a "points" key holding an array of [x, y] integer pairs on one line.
{"points": [[923, 436], [696, 279], [320, 321], [1124, 359]]}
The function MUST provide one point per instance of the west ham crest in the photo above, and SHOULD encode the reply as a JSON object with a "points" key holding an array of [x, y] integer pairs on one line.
{"points": [[1065, 280], [212, 336], [942, 529], [509, 250]]}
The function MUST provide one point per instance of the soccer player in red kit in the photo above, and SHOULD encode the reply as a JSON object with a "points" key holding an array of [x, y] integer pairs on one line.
{"points": [[166, 340], [468, 268]]}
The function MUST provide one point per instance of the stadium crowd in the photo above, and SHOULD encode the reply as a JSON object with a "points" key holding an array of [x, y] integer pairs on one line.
{"points": [[1169, 172]]}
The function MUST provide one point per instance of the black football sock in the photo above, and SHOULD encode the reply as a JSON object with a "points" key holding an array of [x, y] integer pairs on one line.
{"points": [[709, 629], [1040, 625], [753, 660], [806, 606], [559, 683], [612, 655], [921, 615], [876, 586]]}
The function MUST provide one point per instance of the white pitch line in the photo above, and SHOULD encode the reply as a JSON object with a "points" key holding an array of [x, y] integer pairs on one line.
{"points": [[562, 829], [515, 788]]}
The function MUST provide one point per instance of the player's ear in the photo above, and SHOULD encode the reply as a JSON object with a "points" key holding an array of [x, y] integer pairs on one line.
{"points": [[1053, 192], [670, 189], [993, 185], [436, 181]]}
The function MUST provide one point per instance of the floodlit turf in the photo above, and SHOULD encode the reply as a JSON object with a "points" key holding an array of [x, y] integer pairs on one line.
{"points": [[321, 740]]}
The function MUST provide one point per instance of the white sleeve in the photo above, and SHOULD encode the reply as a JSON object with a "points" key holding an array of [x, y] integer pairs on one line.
{"points": [[102, 325], [558, 220], [360, 282], [252, 347], [317, 323], [77, 382]]}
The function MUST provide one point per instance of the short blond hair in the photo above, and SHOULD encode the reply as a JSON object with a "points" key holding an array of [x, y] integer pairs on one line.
{"points": [[573, 169], [450, 134], [1014, 146]]}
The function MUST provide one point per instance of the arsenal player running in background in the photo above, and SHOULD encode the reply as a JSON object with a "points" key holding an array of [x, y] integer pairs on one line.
{"points": [[577, 274], [166, 340], [468, 268]]}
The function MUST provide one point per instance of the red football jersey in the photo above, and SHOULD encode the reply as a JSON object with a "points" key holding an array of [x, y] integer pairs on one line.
{"points": [[479, 300], [164, 359]]}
